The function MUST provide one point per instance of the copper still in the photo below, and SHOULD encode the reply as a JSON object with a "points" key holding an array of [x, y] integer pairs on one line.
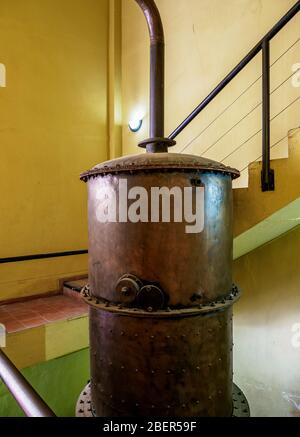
{"points": [[160, 297]]}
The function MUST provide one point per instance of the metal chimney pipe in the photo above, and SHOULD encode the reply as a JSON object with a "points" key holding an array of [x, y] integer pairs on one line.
{"points": [[157, 142]]}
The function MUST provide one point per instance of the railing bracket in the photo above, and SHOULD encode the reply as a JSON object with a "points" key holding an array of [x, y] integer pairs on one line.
{"points": [[268, 183]]}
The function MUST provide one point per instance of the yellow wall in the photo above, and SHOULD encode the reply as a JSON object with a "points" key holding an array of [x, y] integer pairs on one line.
{"points": [[204, 41], [267, 327], [53, 125]]}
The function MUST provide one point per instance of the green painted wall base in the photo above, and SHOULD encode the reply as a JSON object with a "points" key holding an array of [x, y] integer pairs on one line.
{"points": [[59, 382]]}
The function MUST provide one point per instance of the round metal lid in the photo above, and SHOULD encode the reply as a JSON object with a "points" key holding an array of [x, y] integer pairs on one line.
{"points": [[158, 161]]}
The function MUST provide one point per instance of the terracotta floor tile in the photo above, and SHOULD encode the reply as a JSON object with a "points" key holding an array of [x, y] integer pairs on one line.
{"points": [[14, 308], [24, 314], [36, 312], [53, 317], [5, 321], [31, 323], [14, 326], [29, 316]]}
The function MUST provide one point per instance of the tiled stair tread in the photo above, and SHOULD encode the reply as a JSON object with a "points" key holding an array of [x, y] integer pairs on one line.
{"points": [[36, 312], [76, 285]]}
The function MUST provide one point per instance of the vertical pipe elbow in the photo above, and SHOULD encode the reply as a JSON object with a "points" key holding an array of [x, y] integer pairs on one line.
{"points": [[153, 19], [157, 142]]}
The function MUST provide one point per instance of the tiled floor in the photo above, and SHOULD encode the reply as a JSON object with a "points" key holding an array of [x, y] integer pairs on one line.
{"points": [[36, 312]]}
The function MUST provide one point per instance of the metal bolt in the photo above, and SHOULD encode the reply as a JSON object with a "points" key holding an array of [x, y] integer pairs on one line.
{"points": [[125, 291]]}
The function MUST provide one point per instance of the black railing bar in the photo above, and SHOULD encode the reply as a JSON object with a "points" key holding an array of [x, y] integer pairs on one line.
{"points": [[235, 71], [245, 116], [42, 256], [231, 104], [256, 133], [273, 145], [267, 175]]}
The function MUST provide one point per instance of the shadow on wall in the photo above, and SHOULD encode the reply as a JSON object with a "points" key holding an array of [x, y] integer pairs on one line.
{"points": [[267, 327]]}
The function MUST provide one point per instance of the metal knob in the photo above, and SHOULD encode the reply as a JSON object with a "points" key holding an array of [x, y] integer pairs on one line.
{"points": [[150, 298], [127, 288]]}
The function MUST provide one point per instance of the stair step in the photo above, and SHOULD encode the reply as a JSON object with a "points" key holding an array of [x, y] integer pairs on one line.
{"points": [[73, 288], [76, 285]]}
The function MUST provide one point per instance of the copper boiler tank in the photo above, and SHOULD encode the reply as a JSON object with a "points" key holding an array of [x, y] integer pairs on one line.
{"points": [[160, 296]]}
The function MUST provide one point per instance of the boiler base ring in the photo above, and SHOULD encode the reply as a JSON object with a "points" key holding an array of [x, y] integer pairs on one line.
{"points": [[240, 404]]}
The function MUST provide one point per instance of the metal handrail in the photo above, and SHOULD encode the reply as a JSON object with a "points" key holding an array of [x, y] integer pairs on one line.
{"points": [[25, 395], [263, 45]]}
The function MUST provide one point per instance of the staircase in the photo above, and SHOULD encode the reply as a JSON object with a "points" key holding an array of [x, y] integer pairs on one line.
{"points": [[260, 217]]}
